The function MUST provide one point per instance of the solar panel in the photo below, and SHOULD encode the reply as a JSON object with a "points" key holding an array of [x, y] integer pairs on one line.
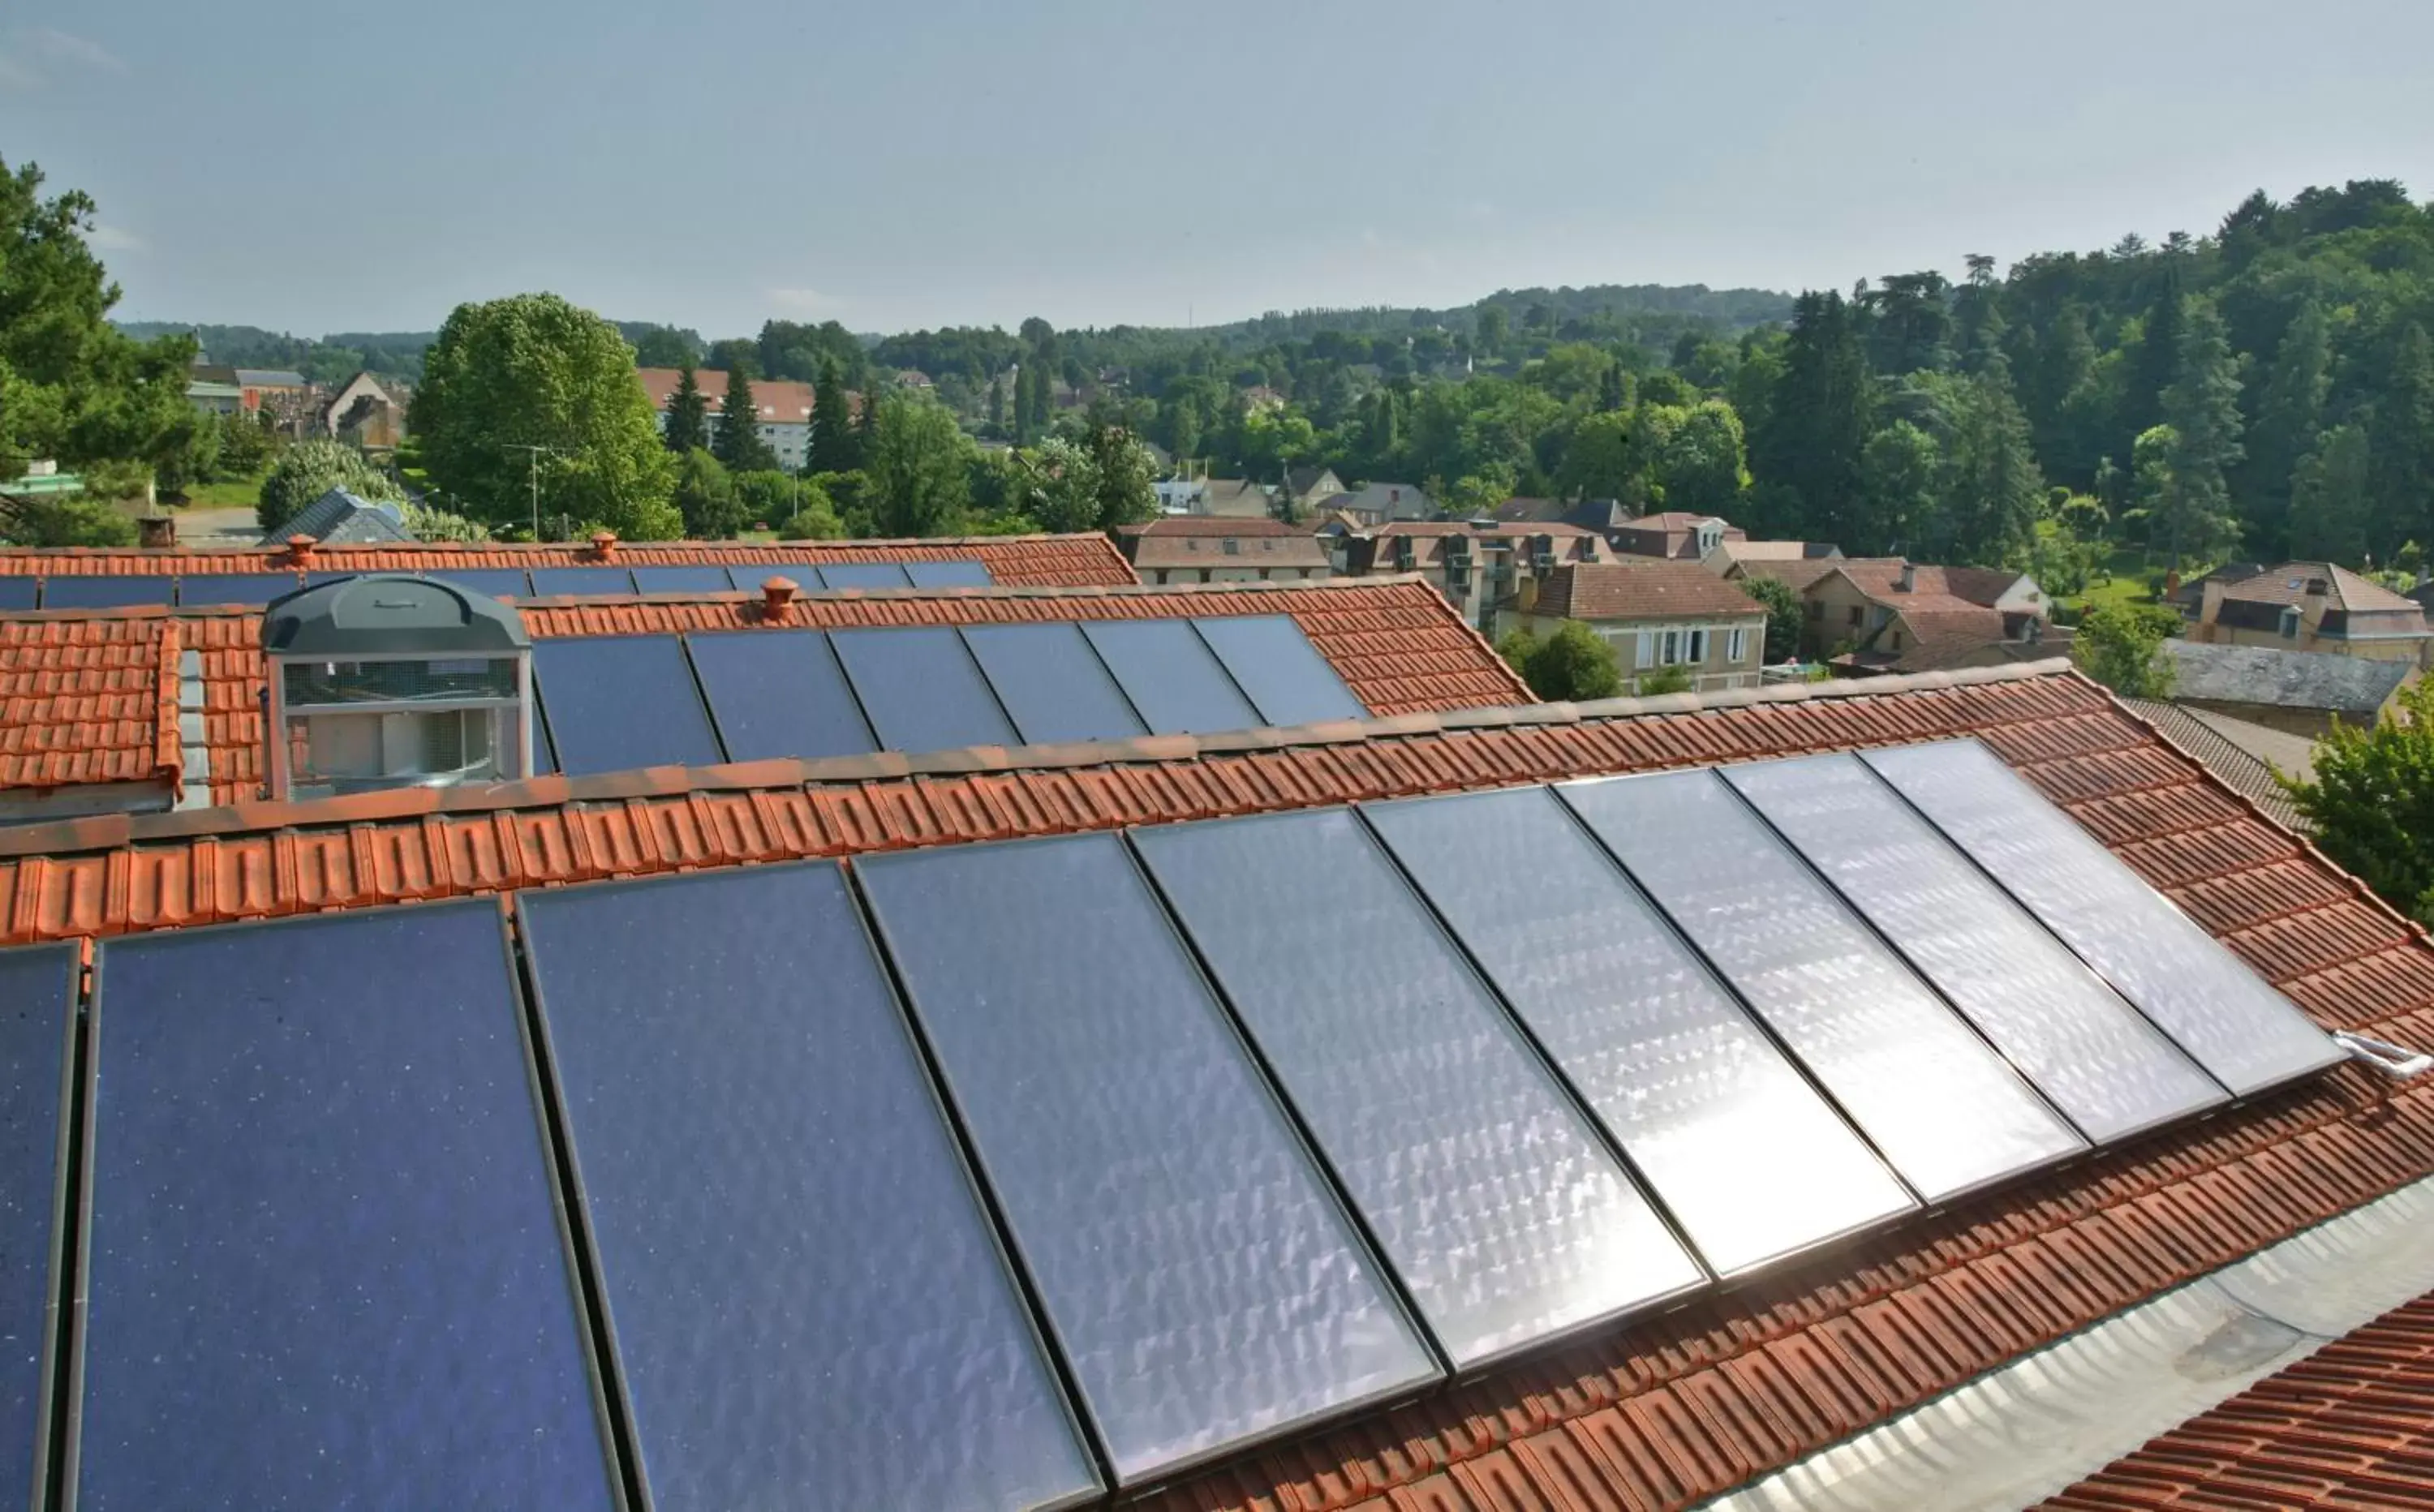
{"points": [[840, 575], [614, 703], [1275, 663], [2229, 1019], [20, 592], [198, 590], [81, 592], [749, 578], [500, 582], [957, 575], [1171, 676], [921, 690], [37, 994], [1941, 1105], [2107, 1069], [555, 582], [779, 693], [1051, 683], [1509, 1222], [1753, 1163], [1196, 1269], [325, 1259], [682, 579], [809, 1303]]}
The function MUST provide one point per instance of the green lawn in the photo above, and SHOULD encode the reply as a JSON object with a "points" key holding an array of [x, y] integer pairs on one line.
{"points": [[236, 493]]}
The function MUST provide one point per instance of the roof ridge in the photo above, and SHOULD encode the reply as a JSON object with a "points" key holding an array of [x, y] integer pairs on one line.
{"points": [[112, 831]]}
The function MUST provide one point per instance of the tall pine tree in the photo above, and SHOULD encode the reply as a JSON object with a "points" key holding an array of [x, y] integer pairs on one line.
{"points": [[2154, 362], [866, 437], [2290, 420], [2328, 496], [1994, 486], [1816, 424], [737, 444], [2402, 479], [833, 447], [687, 427], [2202, 407]]}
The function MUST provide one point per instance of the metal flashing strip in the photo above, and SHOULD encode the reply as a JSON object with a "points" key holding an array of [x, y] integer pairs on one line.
{"points": [[2040, 1424]]}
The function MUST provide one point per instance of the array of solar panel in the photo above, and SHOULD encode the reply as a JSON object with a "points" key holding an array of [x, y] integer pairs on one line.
{"points": [[1234, 1126], [809, 1303], [325, 1261], [632, 700], [38, 1011], [2229, 1020]]}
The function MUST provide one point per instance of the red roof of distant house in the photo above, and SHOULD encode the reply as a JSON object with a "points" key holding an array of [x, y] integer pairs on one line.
{"points": [[783, 401], [2287, 583], [1209, 525], [1640, 588], [1664, 1412], [1396, 642]]}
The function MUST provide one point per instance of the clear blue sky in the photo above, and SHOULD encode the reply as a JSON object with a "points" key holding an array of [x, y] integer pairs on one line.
{"points": [[318, 167]]}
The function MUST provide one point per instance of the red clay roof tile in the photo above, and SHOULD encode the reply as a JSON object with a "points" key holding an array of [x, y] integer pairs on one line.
{"points": [[88, 701]]}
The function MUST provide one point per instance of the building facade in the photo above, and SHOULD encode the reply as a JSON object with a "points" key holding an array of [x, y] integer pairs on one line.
{"points": [[1656, 616], [1184, 549], [2313, 606], [785, 418]]}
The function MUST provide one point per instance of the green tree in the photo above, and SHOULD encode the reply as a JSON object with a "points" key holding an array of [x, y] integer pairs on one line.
{"points": [[736, 442], [2328, 499], [189, 453], [1125, 475], [307, 471], [687, 429], [1994, 485], [1783, 615], [71, 520], [2156, 359], [706, 497], [918, 471], [2121, 645], [2202, 406], [2371, 801], [2290, 420], [1494, 329], [833, 447], [535, 370], [1817, 421], [1675, 679], [1573, 665], [2404, 443], [1701, 467], [1901, 472], [663, 346], [72, 387], [1614, 394]]}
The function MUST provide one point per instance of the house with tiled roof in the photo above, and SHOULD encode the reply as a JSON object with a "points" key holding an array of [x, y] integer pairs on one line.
{"points": [[1877, 615], [1655, 613], [2318, 606], [784, 421], [1730, 555], [1083, 1058], [1475, 563], [2243, 756], [1675, 534], [2301, 692], [1211, 549], [1379, 503], [340, 518]]}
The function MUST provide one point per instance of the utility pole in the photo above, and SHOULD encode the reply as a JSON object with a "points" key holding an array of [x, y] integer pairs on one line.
{"points": [[534, 452]]}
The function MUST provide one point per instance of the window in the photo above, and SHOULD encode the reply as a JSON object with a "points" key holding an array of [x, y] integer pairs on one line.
{"points": [[1896, 641], [1855, 614], [1816, 609], [1736, 645], [1697, 647], [1233, 546], [1647, 648], [1669, 648], [2290, 623]]}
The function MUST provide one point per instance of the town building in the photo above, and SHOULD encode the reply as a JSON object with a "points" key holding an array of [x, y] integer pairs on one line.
{"points": [[785, 418], [2317, 606], [1186, 549], [1656, 615], [2244, 756], [1379, 503], [1731, 553], [2301, 692], [1875, 615], [339, 518], [1307, 490], [362, 386], [1677, 535], [1475, 563]]}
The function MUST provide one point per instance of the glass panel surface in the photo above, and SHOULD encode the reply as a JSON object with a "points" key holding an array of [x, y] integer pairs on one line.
{"points": [[921, 690], [38, 992], [1941, 1105], [840, 575], [808, 1305], [557, 582], [615, 702], [2106, 1068], [682, 579], [2231, 1020], [949, 575], [1171, 676], [106, 592], [1204, 1284], [1752, 1161], [1051, 683], [500, 582], [201, 589], [1283, 673], [20, 593], [325, 1255], [1507, 1219], [779, 693]]}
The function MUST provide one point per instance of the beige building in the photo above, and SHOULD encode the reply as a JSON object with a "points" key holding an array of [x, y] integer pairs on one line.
{"points": [[1883, 614], [1187, 548], [2313, 606], [1477, 567], [1655, 613], [785, 418]]}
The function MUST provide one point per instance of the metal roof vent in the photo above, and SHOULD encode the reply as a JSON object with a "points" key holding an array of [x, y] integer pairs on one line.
{"points": [[393, 681]]}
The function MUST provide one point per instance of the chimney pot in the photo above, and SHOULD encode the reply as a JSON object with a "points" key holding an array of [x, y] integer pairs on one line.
{"points": [[1909, 583], [603, 544], [157, 533], [299, 549], [777, 597]]}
